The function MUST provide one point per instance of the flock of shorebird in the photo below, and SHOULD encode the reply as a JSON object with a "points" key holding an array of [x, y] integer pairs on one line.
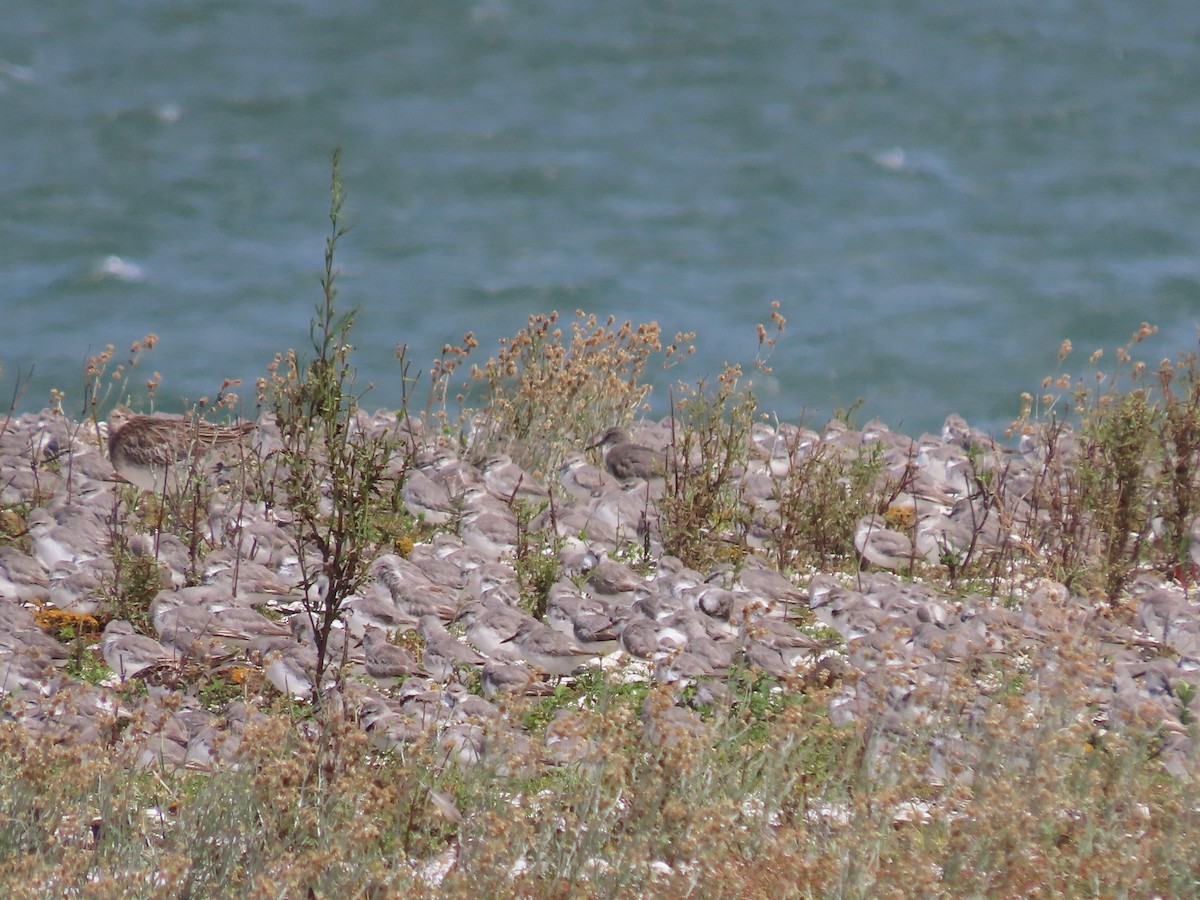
{"points": [[429, 626]]}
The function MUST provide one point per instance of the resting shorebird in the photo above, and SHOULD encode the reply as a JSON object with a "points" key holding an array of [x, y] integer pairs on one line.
{"points": [[548, 650], [127, 653], [153, 452], [626, 460], [386, 662], [880, 546]]}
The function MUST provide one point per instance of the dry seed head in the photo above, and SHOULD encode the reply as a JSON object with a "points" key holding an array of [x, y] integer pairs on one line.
{"points": [[96, 364]]}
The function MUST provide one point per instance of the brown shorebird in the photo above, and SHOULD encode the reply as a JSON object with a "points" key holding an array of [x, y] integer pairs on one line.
{"points": [[153, 452], [387, 663], [626, 460]]}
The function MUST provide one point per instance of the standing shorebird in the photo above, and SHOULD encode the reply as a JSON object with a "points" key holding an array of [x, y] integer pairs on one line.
{"points": [[154, 452], [626, 460]]}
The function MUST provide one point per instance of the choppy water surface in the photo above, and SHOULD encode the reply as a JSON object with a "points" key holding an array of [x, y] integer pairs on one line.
{"points": [[937, 195]]}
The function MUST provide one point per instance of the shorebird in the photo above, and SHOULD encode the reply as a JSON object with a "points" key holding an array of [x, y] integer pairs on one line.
{"points": [[427, 499], [490, 629], [776, 647], [763, 582], [585, 622], [444, 653], [878, 545], [127, 653], [22, 577], [289, 666], [29, 640], [614, 581], [626, 460], [508, 481], [581, 479], [550, 651], [499, 677], [388, 728], [638, 637], [66, 545], [411, 592], [190, 629], [386, 662], [153, 452], [665, 723]]}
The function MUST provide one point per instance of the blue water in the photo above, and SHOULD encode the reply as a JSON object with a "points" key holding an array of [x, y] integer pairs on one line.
{"points": [[937, 195]]}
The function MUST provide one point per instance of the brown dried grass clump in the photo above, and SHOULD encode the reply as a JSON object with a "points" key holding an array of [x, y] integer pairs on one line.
{"points": [[548, 390]]}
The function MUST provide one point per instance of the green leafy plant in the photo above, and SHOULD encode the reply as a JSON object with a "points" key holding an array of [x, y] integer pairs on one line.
{"points": [[1124, 489], [333, 475], [701, 513]]}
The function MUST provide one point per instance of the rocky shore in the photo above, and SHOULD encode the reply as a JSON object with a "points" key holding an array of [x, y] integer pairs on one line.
{"points": [[444, 632]]}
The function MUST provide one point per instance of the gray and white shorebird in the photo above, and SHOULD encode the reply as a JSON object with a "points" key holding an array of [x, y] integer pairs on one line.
{"points": [[191, 630], [614, 581], [500, 678], [491, 628], [760, 579], [127, 653], [776, 647], [586, 622], [727, 609], [880, 546], [21, 577], [388, 728], [156, 452], [411, 590], [487, 525], [30, 640], [248, 625], [639, 636], [444, 653], [386, 662], [442, 572], [550, 651], [508, 481], [289, 666], [427, 499], [581, 479], [665, 723], [626, 460], [26, 673], [77, 539], [716, 654]]}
